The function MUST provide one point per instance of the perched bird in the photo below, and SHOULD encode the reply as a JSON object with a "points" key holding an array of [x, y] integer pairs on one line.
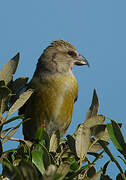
{"points": [[55, 90]]}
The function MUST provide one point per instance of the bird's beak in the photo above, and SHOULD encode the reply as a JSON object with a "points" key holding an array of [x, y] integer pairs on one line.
{"points": [[80, 61]]}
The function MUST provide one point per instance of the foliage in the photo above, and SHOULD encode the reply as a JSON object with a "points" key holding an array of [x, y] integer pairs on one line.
{"points": [[55, 158]]}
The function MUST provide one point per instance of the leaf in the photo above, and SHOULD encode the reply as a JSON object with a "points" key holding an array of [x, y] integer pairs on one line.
{"points": [[122, 159], [4, 132], [100, 132], [13, 119], [18, 84], [20, 102], [4, 94], [42, 137], [39, 134], [105, 167], [94, 120], [96, 130], [96, 146], [8, 168], [117, 137], [54, 141], [50, 172], [9, 69], [26, 144], [28, 171], [82, 141], [16, 87], [81, 171], [96, 176], [62, 170], [1, 149], [73, 163], [105, 177], [71, 143], [37, 159], [25, 170], [2, 83], [96, 155], [91, 172], [40, 157], [93, 110], [120, 177], [10, 134], [102, 143]]}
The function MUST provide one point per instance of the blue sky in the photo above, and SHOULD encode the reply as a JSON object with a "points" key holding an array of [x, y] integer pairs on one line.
{"points": [[96, 28]]}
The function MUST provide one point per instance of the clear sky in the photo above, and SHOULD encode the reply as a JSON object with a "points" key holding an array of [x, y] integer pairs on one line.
{"points": [[96, 28]]}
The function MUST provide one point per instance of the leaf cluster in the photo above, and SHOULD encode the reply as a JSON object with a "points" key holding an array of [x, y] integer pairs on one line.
{"points": [[55, 158]]}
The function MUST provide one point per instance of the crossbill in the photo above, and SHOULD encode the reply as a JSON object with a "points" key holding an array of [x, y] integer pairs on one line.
{"points": [[55, 90]]}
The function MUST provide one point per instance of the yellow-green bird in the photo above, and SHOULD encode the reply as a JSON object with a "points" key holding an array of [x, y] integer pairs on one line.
{"points": [[55, 90]]}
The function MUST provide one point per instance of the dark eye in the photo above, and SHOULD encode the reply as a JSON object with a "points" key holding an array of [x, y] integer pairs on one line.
{"points": [[72, 53]]}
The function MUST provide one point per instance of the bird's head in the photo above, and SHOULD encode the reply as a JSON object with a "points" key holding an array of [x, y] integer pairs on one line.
{"points": [[60, 56]]}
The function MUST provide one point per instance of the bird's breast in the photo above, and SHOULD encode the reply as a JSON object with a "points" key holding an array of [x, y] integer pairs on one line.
{"points": [[53, 101]]}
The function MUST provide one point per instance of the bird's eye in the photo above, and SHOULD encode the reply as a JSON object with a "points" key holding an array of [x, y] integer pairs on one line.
{"points": [[72, 53]]}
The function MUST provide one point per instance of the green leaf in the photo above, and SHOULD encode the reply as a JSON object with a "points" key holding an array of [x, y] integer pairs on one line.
{"points": [[73, 163], [13, 119], [58, 176], [116, 136], [42, 137], [39, 134], [37, 158], [102, 143], [40, 157], [74, 166], [10, 151]]}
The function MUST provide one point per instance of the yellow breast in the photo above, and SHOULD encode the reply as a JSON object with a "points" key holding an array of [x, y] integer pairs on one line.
{"points": [[52, 102]]}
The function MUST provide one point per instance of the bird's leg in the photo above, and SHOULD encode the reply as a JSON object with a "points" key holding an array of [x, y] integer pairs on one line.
{"points": [[43, 125]]}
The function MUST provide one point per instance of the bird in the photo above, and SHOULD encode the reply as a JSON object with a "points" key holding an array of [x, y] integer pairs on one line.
{"points": [[55, 90]]}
